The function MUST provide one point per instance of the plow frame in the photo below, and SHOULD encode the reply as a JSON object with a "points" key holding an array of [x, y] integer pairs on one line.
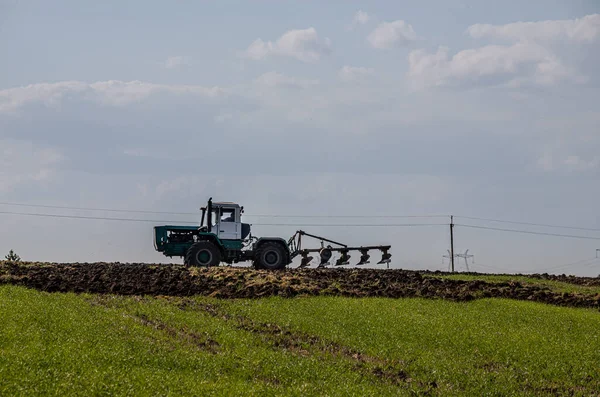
{"points": [[325, 252]]}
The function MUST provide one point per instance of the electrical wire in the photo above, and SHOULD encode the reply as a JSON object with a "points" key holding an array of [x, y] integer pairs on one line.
{"points": [[196, 213], [195, 223], [284, 224], [347, 216], [527, 232], [528, 223], [98, 209], [351, 225], [583, 262], [91, 217]]}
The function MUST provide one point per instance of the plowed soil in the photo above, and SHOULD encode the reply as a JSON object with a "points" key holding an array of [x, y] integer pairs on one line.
{"points": [[239, 282], [577, 280]]}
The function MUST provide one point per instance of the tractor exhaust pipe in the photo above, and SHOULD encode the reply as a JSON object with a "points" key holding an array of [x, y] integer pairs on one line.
{"points": [[209, 215]]}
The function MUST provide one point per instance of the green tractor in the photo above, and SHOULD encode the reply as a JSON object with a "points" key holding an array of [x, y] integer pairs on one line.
{"points": [[226, 239]]}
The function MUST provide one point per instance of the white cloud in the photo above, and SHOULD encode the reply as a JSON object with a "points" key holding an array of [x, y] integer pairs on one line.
{"points": [[273, 79], [50, 94], [533, 58], [573, 148], [112, 92], [175, 62], [302, 44], [391, 34], [361, 18], [521, 63], [352, 73], [23, 162], [550, 161], [580, 29], [580, 164]]}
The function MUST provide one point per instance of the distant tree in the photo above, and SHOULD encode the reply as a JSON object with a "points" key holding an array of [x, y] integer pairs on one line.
{"points": [[12, 257]]}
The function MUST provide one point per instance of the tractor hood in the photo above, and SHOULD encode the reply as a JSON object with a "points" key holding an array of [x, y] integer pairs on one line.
{"points": [[161, 234]]}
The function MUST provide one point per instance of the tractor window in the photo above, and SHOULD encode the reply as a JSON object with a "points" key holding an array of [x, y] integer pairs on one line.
{"points": [[228, 215]]}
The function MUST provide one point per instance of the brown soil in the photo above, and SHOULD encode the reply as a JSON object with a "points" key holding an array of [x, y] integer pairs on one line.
{"points": [[239, 282], [571, 279]]}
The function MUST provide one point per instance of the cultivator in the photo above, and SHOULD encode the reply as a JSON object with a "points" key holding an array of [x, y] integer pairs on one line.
{"points": [[224, 238], [326, 252]]}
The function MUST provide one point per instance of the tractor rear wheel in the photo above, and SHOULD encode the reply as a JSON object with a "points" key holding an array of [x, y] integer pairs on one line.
{"points": [[270, 256], [202, 254]]}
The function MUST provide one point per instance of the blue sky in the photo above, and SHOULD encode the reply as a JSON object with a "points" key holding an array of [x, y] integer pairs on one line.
{"points": [[473, 108]]}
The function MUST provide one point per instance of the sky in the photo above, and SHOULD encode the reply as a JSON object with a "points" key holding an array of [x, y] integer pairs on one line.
{"points": [[320, 116]]}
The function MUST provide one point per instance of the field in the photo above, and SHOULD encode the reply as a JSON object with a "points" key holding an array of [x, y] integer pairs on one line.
{"points": [[134, 329]]}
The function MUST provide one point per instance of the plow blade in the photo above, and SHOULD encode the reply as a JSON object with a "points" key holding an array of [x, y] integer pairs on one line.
{"points": [[305, 260], [385, 258], [364, 258], [344, 259]]}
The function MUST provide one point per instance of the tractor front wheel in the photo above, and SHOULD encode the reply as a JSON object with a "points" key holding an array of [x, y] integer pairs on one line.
{"points": [[270, 256], [202, 254]]}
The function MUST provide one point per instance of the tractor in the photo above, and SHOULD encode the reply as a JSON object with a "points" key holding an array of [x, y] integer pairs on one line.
{"points": [[226, 239]]}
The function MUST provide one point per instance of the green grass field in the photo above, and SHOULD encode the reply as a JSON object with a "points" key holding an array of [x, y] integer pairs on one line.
{"points": [[68, 344]]}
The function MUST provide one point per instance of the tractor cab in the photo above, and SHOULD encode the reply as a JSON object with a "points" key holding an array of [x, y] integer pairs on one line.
{"points": [[224, 220]]}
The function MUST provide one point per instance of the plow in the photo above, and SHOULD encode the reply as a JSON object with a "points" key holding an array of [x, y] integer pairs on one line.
{"points": [[222, 237], [326, 252]]}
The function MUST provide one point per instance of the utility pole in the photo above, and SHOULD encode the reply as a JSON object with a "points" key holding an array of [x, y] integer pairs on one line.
{"points": [[598, 250], [452, 241]]}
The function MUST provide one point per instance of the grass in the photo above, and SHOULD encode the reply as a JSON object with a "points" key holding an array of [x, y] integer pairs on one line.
{"points": [[480, 347], [556, 286], [68, 344]]}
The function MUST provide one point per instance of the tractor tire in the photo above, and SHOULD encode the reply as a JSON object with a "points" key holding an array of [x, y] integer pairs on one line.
{"points": [[270, 256], [202, 254]]}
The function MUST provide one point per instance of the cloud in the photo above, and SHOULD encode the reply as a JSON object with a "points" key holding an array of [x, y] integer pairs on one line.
{"points": [[274, 79], [111, 92], [23, 162], [518, 64], [352, 73], [175, 62], [550, 161], [301, 44], [575, 151], [361, 18], [584, 29], [50, 94], [580, 164], [534, 58], [391, 34]]}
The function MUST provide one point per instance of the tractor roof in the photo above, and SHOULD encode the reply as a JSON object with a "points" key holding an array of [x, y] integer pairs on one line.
{"points": [[224, 204]]}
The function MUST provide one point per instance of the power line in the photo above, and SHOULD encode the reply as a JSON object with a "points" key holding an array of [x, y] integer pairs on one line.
{"points": [[351, 225], [98, 209], [530, 223], [583, 262], [195, 223], [197, 213], [347, 216], [91, 217], [528, 232], [294, 216]]}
